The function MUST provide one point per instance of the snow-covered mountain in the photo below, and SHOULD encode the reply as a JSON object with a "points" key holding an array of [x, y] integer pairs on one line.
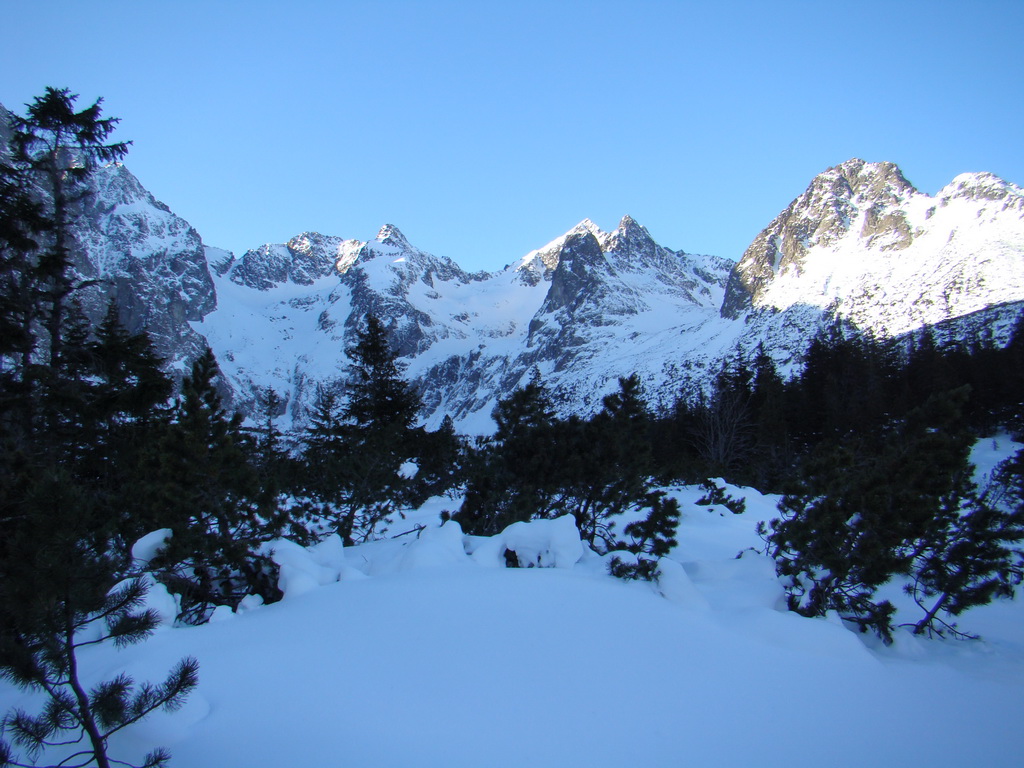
{"points": [[864, 244], [583, 310], [861, 243], [151, 261]]}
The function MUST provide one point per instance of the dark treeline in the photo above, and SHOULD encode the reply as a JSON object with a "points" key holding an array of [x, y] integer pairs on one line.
{"points": [[98, 449], [755, 429]]}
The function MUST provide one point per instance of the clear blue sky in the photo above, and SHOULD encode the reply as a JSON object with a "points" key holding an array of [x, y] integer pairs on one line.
{"points": [[484, 129]]}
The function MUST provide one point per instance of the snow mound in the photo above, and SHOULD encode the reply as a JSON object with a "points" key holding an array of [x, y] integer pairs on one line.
{"points": [[675, 585], [305, 569], [435, 547], [536, 544], [744, 582]]}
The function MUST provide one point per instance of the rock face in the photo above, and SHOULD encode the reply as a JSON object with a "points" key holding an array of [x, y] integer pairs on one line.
{"points": [[150, 261], [302, 261]]}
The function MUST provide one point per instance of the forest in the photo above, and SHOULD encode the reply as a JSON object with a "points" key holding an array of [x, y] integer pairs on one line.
{"points": [[100, 447]]}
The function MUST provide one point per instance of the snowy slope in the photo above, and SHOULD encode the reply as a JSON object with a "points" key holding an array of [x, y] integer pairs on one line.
{"points": [[426, 652]]}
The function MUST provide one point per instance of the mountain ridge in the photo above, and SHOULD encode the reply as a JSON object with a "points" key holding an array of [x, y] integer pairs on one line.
{"points": [[860, 245]]}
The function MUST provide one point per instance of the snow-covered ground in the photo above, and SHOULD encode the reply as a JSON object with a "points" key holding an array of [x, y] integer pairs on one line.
{"points": [[427, 652]]}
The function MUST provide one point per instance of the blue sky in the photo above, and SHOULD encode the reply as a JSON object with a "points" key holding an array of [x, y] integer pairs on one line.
{"points": [[485, 129]]}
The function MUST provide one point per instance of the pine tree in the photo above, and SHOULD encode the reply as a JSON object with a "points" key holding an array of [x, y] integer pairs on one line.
{"points": [[322, 471], [772, 449], [440, 458], [512, 477], [210, 496], [723, 425], [379, 416], [869, 510], [23, 225], [39, 646], [610, 465], [61, 147], [971, 554], [61, 549]]}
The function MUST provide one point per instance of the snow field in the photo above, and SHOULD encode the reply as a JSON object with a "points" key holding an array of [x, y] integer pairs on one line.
{"points": [[426, 652]]}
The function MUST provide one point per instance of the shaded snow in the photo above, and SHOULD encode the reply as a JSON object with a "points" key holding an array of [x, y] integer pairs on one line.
{"points": [[409, 652]]}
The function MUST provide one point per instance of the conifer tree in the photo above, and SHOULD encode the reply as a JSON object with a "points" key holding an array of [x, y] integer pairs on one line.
{"points": [[869, 510], [61, 552], [441, 456], [610, 465], [512, 475], [61, 147], [772, 451], [379, 438], [971, 553], [322, 470], [48, 614], [210, 496], [723, 425]]}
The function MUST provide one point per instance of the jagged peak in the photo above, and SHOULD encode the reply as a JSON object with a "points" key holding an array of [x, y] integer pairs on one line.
{"points": [[585, 226], [857, 178], [347, 254], [390, 235], [632, 229], [304, 240]]}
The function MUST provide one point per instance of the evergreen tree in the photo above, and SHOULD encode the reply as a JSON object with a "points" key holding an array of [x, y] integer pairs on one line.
{"points": [[379, 437], [723, 427], [322, 469], [772, 451], [610, 463], [357, 452], [61, 549], [23, 224], [39, 646], [210, 496], [971, 553], [512, 477], [651, 538], [869, 510], [60, 147], [441, 457]]}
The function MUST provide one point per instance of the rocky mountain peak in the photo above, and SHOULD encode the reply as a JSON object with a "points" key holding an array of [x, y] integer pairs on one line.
{"points": [[632, 241], [305, 258], [390, 235], [628, 225], [544, 261], [872, 194], [862, 181], [579, 268]]}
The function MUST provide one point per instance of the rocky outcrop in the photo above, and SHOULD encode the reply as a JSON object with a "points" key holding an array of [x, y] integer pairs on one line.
{"points": [[302, 260]]}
